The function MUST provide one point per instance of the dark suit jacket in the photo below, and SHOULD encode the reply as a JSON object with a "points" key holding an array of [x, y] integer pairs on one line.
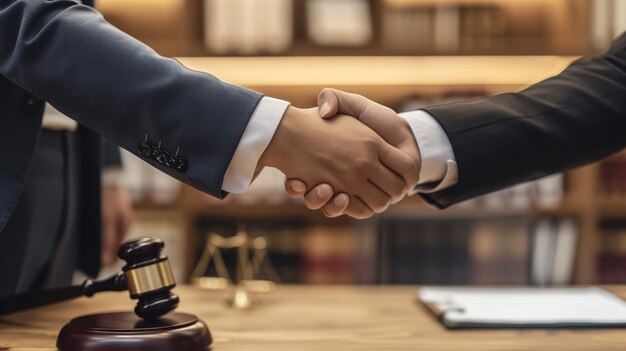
{"points": [[113, 85], [574, 118]]}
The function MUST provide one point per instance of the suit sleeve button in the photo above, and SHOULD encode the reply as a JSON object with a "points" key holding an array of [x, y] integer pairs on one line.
{"points": [[182, 166], [145, 149], [30, 101]]}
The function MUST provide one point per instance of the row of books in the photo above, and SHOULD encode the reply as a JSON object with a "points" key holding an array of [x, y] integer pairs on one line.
{"points": [[553, 251], [612, 268], [499, 251], [494, 251], [424, 253], [253, 27], [300, 253], [267, 26], [486, 251], [399, 252], [453, 28], [612, 256], [613, 176], [613, 239], [248, 26], [455, 252]]}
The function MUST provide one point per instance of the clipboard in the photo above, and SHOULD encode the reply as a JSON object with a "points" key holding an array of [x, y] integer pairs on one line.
{"points": [[458, 308]]}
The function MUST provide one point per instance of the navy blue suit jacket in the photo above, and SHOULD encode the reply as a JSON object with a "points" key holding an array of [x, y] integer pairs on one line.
{"points": [[66, 54]]}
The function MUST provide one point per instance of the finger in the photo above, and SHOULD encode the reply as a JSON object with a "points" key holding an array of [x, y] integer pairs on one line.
{"points": [[295, 188], [374, 198], [358, 209], [332, 101], [389, 182], [318, 196], [400, 163], [336, 206]]}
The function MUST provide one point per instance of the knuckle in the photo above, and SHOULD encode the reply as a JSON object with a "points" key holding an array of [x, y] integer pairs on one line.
{"points": [[362, 164], [327, 91], [373, 141], [389, 111], [408, 167]]}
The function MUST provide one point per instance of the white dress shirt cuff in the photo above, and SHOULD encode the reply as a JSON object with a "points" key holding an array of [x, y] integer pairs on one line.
{"points": [[439, 169], [255, 139]]}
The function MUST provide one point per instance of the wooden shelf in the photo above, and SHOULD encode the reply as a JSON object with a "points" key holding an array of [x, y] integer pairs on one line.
{"points": [[611, 207], [388, 80], [431, 3]]}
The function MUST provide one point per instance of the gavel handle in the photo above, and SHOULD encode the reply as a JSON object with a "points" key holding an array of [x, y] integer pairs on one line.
{"points": [[27, 301]]}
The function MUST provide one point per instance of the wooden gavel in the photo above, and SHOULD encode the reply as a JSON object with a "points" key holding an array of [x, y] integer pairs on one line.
{"points": [[147, 276]]}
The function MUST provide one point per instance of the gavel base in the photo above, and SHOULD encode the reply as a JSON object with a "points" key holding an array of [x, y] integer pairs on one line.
{"points": [[124, 331]]}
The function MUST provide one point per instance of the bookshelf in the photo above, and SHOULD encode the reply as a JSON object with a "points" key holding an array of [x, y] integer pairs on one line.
{"points": [[175, 27], [540, 39]]}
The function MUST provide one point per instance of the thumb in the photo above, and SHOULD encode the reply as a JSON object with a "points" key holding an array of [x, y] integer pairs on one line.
{"points": [[333, 101], [381, 119], [328, 103]]}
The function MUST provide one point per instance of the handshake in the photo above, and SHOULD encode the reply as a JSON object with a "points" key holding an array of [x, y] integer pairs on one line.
{"points": [[348, 156]]}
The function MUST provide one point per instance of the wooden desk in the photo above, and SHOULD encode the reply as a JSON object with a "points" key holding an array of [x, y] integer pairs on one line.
{"points": [[316, 318]]}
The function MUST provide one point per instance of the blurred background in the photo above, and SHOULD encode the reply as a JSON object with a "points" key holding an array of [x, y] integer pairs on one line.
{"points": [[568, 228]]}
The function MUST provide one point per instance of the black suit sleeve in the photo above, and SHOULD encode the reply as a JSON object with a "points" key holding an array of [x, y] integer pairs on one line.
{"points": [[68, 55], [574, 118]]}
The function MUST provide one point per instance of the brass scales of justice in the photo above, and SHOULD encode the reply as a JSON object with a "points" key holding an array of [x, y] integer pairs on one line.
{"points": [[252, 260]]}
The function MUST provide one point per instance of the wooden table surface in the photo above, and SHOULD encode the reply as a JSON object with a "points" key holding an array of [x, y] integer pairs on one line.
{"points": [[315, 318]]}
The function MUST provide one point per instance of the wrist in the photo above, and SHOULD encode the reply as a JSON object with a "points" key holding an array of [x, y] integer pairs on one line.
{"points": [[410, 145], [275, 151]]}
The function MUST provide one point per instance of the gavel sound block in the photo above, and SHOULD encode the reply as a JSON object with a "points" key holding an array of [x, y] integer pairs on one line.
{"points": [[123, 331], [149, 279]]}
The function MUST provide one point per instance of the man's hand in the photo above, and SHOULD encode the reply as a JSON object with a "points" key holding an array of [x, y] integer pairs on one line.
{"points": [[381, 119], [344, 153], [117, 214]]}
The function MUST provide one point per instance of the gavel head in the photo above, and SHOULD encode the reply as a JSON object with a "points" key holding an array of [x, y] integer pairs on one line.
{"points": [[149, 277]]}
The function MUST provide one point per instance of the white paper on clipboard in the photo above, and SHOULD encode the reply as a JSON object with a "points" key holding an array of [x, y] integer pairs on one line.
{"points": [[524, 307]]}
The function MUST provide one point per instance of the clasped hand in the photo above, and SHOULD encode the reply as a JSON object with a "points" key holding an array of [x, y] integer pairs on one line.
{"points": [[357, 159]]}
